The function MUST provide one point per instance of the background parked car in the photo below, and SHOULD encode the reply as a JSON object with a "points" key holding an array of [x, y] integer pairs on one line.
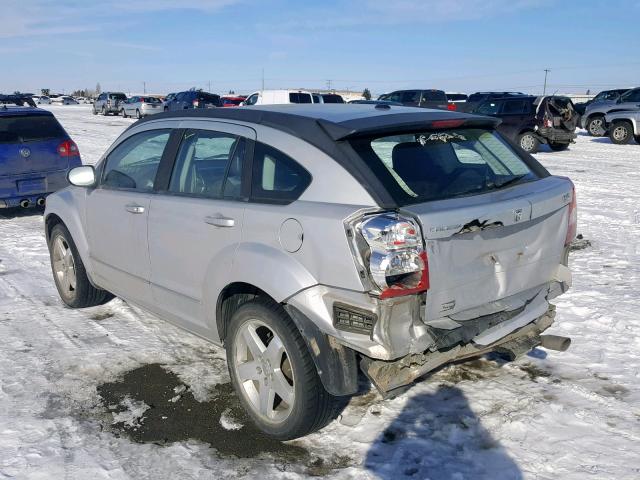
{"points": [[593, 118], [477, 98], [277, 97], [375, 102], [193, 99], [167, 100], [419, 98], [64, 100], [232, 100], [531, 121], [610, 96], [140, 106], [108, 103], [457, 97], [42, 100], [327, 98], [35, 156], [623, 126]]}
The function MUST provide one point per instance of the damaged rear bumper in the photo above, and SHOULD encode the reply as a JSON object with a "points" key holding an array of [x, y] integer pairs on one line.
{"points": [[390, 375]]}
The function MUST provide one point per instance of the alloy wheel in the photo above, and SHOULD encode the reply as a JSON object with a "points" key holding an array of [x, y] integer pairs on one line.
{"points": [[620, 134], [527, 142], [64, 266], [596, 127], [263, 370]]}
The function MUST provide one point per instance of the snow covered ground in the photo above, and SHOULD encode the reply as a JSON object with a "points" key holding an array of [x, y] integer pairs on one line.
{"points": [[572, 415]]}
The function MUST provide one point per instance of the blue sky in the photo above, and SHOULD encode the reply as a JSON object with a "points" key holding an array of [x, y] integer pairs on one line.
{"points": [[455, 45]]}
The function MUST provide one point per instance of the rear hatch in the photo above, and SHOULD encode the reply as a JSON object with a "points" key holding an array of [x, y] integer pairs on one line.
{"points": [[29, 143], [489, 247], [494, 222], [558, 112], [434, 99]]}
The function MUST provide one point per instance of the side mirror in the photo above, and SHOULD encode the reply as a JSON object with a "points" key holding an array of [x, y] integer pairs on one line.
{"points": [[84, 176]]}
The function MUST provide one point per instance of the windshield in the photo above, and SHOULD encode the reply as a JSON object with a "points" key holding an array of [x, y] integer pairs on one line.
{"points": [[436, 165]]}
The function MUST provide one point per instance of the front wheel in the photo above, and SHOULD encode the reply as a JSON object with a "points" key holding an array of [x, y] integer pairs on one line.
{"points": [[595, 126], [273, 373], [621, 133], [528, 142], [69, 273], [558, 147]]}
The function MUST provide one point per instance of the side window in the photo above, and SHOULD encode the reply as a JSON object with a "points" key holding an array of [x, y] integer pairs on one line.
{"points": [[276, 177], [208, 164], [102, 96], [632, 96], [133, 164], [251, 100], [488, 108], [514, 107], [411, 96]]}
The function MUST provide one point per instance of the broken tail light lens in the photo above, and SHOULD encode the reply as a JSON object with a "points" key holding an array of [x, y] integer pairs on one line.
{"points": [[572, 227], [396, 260]]}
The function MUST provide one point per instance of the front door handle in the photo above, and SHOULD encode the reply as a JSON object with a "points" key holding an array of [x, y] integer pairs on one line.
{"points": [[220, 221], [133, 208]]}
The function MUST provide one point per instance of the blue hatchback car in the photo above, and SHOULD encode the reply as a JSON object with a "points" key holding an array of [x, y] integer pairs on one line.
{"points": [[36, 154]]}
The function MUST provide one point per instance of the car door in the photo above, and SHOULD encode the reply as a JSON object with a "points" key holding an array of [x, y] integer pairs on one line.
{"points": [[516, 115], [628, 101], [117, 213], [196, 223]]}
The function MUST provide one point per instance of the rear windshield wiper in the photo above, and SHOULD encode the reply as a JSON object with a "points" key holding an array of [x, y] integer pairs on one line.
{"points": [[511, 181]]}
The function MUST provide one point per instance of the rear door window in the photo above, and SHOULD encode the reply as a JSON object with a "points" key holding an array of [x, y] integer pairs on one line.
{"points": [[133, 164], [276, 178], [297, 97], [209, 165], [29, 128], [410, 96], [436, 165], [488, 108], [515, 107]]}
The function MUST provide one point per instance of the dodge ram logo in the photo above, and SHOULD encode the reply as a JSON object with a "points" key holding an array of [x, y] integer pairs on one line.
{"points": [[25, 152]]}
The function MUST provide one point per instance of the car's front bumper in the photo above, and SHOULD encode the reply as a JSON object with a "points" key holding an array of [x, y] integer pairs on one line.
{"points": [[30, 186]]}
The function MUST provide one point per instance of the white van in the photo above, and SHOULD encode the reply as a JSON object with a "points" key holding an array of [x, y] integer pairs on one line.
{"points": [[277, 97]]}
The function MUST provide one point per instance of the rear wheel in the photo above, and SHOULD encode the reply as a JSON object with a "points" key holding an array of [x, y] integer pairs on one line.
{"points": [[138, 114], [69, 273], [274, 374], [528, 142], [95, 112], [123, 113], [558, 147], [104, 112], [595, 126], [621, 132]]}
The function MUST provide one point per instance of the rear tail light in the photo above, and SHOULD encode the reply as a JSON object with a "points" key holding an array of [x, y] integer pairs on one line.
{"points": [[195, 103], [572, 227], [393, 254], [68, 148], [547, 122], [452, 106]]}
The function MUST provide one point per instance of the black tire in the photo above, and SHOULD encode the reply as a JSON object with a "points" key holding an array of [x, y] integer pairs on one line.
{"points": [[138, 114], [313, 407], [528, 142], [621, 132], [104, 112], [95, 112], [558, 147], [84, 294], [637, 137], [595, 126], [123, 113]]}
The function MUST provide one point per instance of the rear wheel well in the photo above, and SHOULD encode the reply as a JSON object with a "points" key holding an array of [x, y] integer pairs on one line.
{"points": [[230, 299], [51, 221]]}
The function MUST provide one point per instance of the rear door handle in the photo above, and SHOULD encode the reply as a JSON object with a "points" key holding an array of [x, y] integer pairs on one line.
{"points": [[220, 221], [133, 208]]}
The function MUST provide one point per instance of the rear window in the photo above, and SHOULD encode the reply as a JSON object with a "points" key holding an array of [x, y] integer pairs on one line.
{"points": [[118, 96], [437, 165], [300, 97], [456, 97], [29, 128], [476, 97], [332, 99], [434, 96], [231, 101]]}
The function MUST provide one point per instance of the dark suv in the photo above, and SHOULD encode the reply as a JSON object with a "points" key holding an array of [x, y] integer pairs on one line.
{"points": [[477, 98], [531, 121], [193, 99], [419, 98]]}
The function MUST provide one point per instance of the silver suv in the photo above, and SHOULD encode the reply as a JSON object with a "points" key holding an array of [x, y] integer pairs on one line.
{"points": [[108, 103], [593, 119], [314, 241]]}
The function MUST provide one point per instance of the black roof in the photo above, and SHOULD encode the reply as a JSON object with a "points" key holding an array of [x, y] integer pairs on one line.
{"points": [[336, 121]]}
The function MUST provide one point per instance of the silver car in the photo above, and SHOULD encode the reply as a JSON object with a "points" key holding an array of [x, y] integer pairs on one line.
{"points": [[593, 120], [313, 241], [141, 106]]}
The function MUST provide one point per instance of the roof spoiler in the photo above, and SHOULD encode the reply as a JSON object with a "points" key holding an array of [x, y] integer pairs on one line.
{"points": [[342, 131]]}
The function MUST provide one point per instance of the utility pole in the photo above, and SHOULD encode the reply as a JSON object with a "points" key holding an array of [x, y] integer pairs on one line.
{"points": [[329, 85], [144, 87], [546, 72], [209, 86], [262, 78]]}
